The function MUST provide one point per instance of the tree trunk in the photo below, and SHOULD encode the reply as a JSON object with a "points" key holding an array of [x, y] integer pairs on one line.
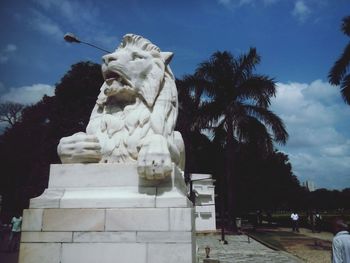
{"points": [[222, 208], [231, 207]]}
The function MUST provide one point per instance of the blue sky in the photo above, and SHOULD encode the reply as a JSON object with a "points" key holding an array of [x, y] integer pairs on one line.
{"points": [[298, 40]]}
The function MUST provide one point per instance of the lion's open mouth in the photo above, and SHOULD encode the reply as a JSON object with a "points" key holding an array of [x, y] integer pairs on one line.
{"points": [[111, 76]]}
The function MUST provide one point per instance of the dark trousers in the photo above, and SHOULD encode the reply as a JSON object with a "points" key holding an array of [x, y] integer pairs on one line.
{"points": [[295, 225], [14, 241]]}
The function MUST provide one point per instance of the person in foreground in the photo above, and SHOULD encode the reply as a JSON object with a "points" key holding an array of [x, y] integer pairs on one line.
{"points": [[341, 242], [15, 234]]}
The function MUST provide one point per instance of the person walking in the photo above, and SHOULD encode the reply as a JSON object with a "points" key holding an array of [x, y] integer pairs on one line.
{"points": [[295, 221], [341, 242], [16, 223], [318, 222], [313, 221]]}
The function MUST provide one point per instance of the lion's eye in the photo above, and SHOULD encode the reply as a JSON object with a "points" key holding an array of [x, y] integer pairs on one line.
{"points": [[136, 56]]}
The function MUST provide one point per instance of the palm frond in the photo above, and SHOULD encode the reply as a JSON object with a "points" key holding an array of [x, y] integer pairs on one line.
{"points": [[271, 120], [251, 131], [218, 72], [189, 101], [345, 89], [246, 64], [196, 87], [345, 27], [258, 88], [186, 101], [209, 114], [340, 67]]}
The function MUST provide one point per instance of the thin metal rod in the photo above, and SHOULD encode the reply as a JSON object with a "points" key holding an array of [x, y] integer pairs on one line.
{"points": [[95, 47]]}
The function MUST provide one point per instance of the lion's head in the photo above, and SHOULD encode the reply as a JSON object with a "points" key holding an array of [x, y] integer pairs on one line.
{"points": [[136, 68]]}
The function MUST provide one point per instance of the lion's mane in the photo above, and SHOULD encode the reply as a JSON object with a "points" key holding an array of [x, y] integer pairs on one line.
{"points": [[121, 129]]}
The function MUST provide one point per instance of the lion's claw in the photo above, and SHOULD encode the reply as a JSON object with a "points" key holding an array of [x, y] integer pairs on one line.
{"points": [[154, 161]]}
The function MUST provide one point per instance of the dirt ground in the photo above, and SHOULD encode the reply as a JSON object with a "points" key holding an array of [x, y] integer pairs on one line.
{"points": [[315, 247], [308, 246]]}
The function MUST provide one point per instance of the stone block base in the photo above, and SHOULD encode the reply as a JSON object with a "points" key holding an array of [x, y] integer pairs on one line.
{"points": [[147, 235], [79, 224]]}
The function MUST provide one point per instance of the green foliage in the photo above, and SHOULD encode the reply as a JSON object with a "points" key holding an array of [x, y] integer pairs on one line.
{"points": [[29, 147], [264, 182], [339, 73], [329, 199], [197, 145]]}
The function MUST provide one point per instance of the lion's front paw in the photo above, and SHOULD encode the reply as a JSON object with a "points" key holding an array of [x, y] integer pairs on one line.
{"points": [[154, 161], [79, 148]]}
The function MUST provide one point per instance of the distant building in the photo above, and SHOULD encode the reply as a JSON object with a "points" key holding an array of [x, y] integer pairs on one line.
{"points": [[309, 185], [204, 189]]}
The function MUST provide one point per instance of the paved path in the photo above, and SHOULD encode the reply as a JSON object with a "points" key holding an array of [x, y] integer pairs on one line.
{"points": [[239, 250]]}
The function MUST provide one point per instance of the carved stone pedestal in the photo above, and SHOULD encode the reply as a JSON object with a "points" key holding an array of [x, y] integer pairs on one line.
{"points": [[106, 213]]}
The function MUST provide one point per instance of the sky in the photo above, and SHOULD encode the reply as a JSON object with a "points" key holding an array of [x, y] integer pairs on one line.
{"points": [[298, 40]]}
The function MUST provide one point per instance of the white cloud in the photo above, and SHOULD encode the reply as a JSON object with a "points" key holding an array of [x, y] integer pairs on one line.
{"points": [[28, 94], [337, 150], [10, 48], [75, 12], [45, 25], [7, 52], [317, 121], [83, 18], [301, 11], [106, 41]]}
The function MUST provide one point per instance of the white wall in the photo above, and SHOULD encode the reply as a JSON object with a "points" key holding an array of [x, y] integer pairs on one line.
{"points": [[203, 185]]}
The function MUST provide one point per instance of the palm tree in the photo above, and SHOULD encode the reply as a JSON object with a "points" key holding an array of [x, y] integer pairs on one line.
{"points": [[339, 73], [236, 108], [198, 145]]}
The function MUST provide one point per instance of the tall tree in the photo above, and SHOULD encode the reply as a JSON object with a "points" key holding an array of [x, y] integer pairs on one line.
{"points": [[339, 73], [264, 181], [10, 112], [198, 146], [29, 147], [237, 108]]}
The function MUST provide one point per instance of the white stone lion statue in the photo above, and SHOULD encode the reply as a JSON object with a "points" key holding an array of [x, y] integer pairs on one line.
{"points": [[135, 113]]}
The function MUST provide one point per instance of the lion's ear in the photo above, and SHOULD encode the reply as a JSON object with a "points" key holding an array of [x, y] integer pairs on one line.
{"points": [[167, 56]]}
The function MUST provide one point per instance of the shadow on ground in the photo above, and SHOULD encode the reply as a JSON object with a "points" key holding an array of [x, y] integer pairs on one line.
{"points": [[308, 246]]}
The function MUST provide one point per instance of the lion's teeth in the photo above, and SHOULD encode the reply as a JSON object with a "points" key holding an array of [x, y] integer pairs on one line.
{"points": [[110, 81]]}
